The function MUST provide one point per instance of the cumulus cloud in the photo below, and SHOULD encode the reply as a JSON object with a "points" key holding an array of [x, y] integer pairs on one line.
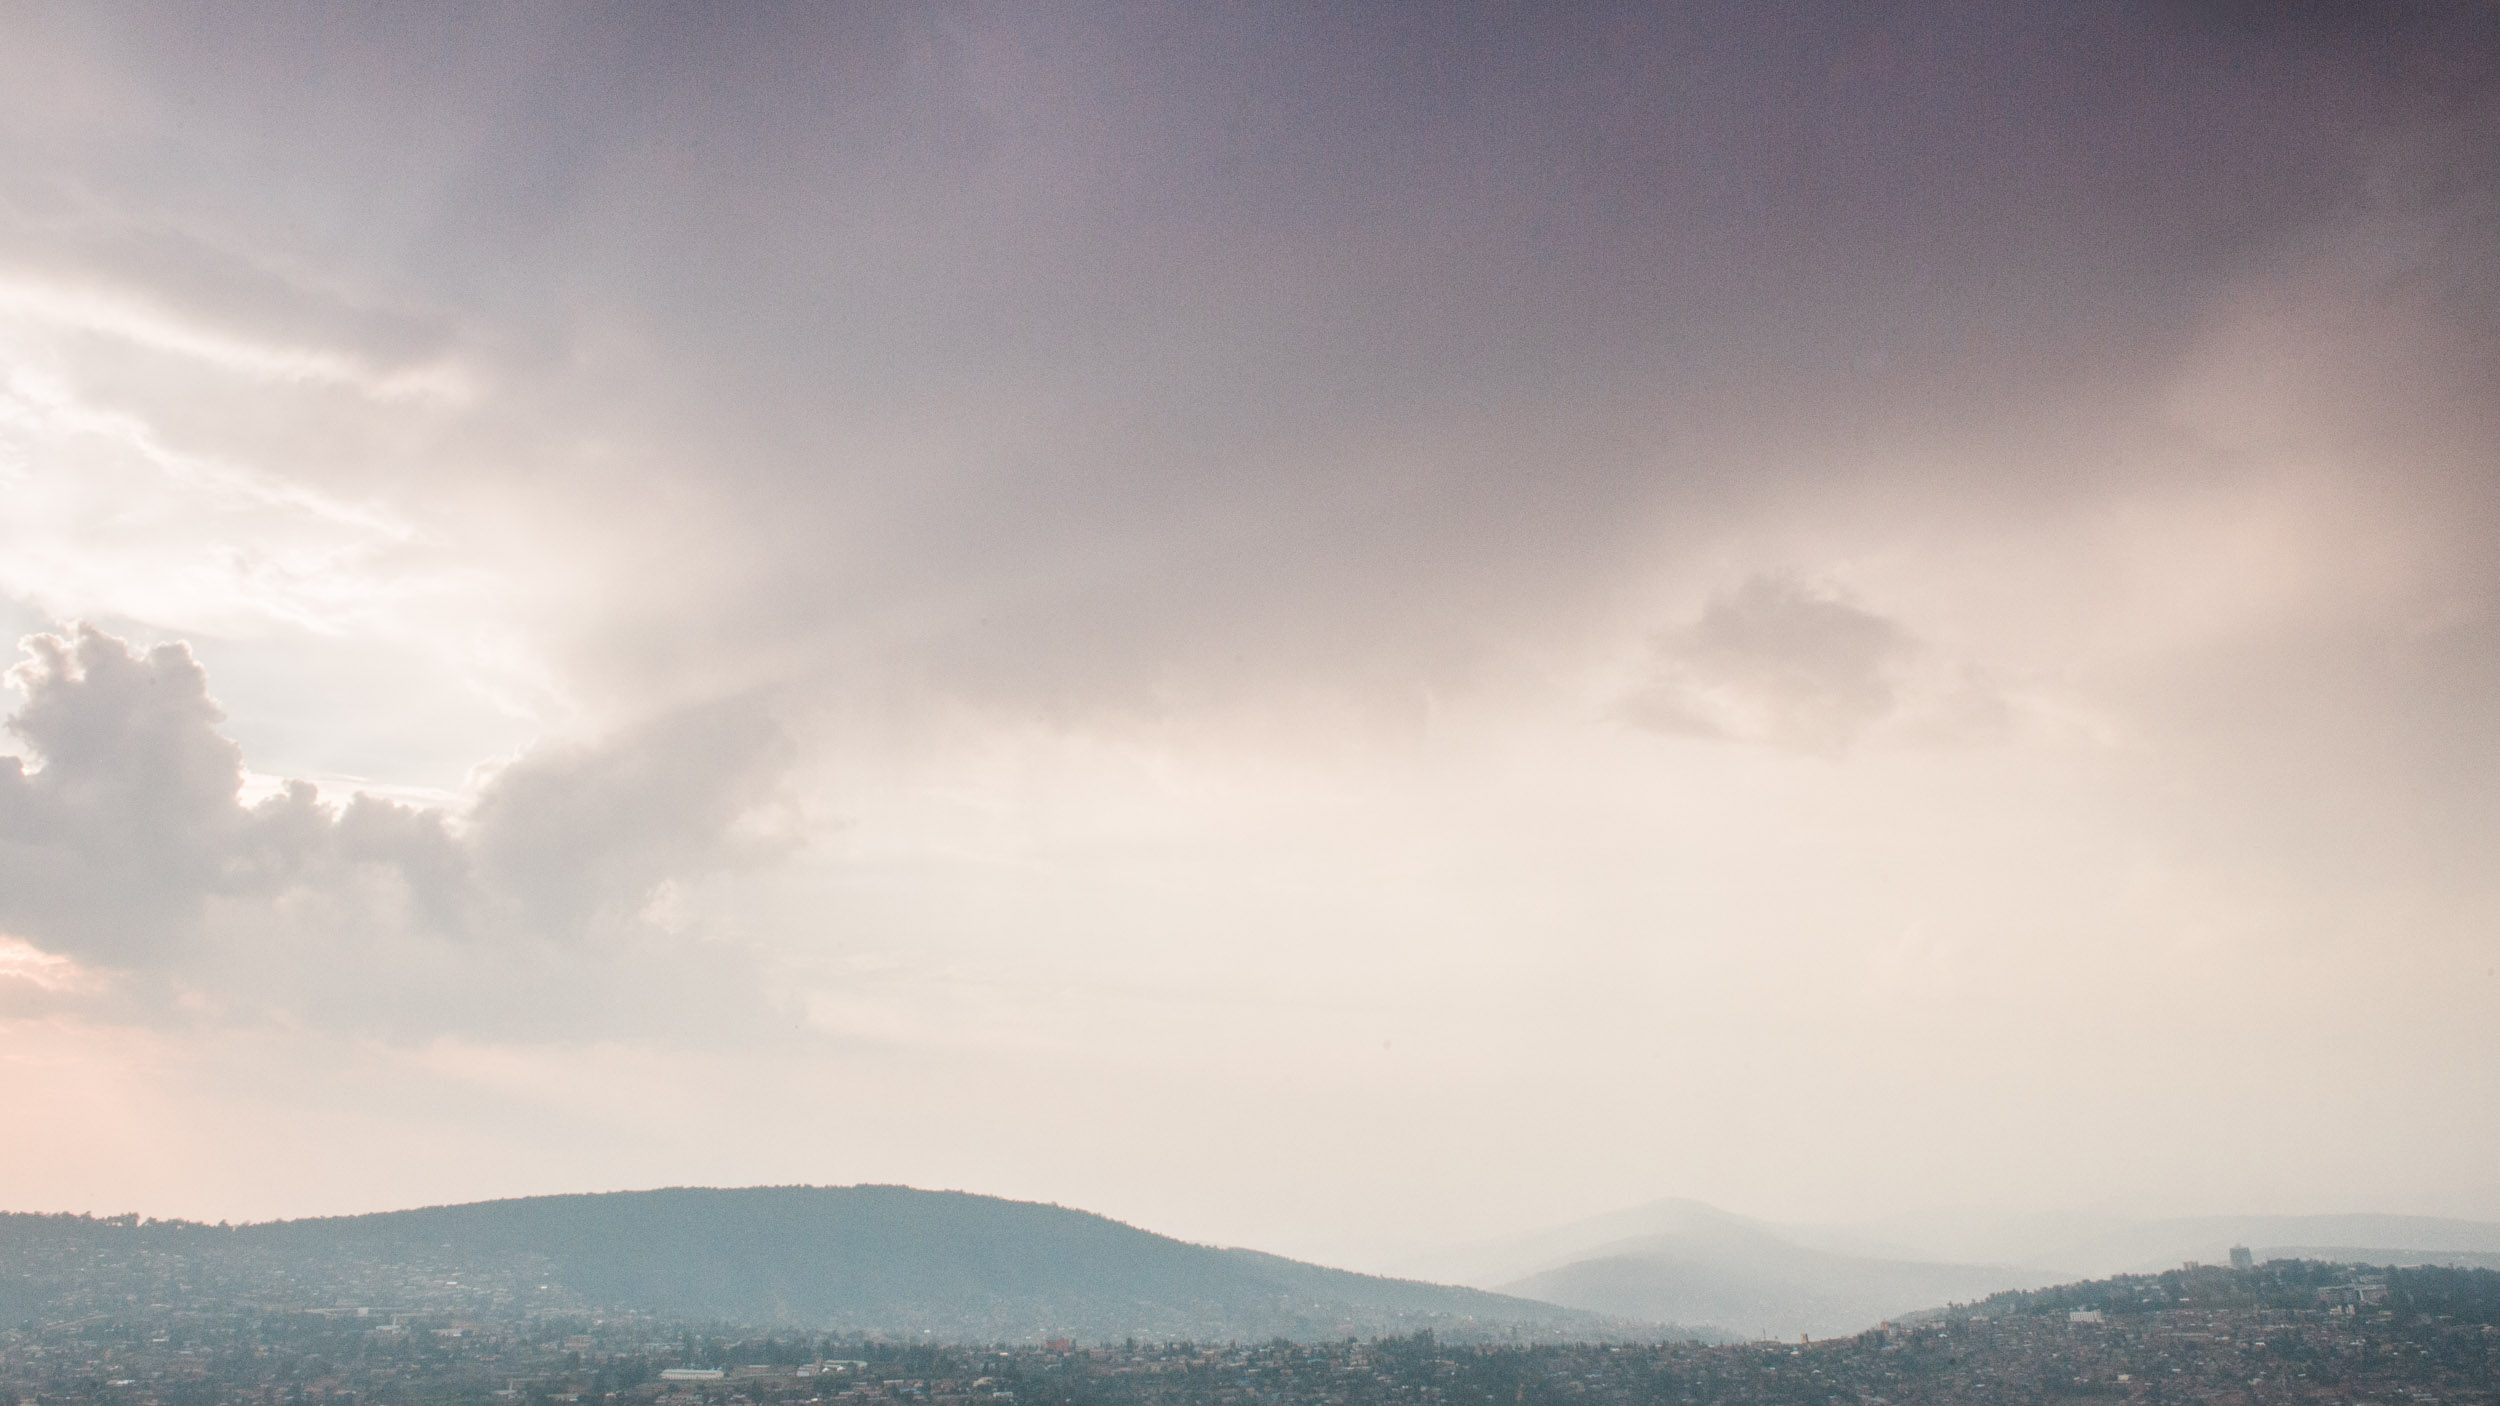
{"points": [[127, 847], [1800, 667], [580, 834], [107, 848]]}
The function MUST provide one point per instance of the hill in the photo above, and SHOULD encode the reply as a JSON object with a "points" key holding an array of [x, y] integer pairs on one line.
{"points": [[2344, 1294], [1687, 1262], [2083, 1245], [1694, 1263], [1706, 1266], [2286, 1333], [864, 1259]]}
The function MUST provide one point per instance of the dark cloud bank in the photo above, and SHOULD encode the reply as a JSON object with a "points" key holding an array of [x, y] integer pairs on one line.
{"points": [[1112, 354], [1118, 358]]}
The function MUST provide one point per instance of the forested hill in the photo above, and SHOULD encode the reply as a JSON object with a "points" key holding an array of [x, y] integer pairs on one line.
{"points": [[871, 1259]]}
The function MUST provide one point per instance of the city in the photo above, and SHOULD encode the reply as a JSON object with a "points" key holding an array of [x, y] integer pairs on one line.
{"points": [[2282, 1332]]}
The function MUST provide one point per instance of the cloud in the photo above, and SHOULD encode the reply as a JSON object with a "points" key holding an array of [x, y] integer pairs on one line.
{"points": [[1102, 364], [575, 835], [127, 848], [1109, 368], [1800, 667], [112, 312], [107, 848], [1188, 475], [32, 979]]}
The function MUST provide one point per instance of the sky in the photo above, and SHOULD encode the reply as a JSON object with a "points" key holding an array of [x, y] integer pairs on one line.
{"points": [[1337, 628]]}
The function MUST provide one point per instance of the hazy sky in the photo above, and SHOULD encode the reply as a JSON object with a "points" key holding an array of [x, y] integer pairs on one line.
{"points": [[1332, 628]]}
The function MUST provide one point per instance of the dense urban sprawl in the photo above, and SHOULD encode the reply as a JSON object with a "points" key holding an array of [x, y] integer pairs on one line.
{"points": [[2287, 1332]]}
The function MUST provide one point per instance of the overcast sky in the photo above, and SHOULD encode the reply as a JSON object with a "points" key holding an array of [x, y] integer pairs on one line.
{"points": [[1334, 628]]}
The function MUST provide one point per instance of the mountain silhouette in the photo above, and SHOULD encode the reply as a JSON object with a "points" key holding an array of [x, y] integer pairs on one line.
{"points": [[867, 1259], [1688, 1262]]}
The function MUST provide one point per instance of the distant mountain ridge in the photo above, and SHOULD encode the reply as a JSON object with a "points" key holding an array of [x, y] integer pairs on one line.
{"points": [[1747, 1278], [1689, 1262], [867, 1259]]}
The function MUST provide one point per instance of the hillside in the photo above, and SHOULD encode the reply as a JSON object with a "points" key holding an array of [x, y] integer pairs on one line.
{"points": [[866, 1259], [1687, 1262], [1735, 1275], [2074, 1245], [2345, 1294], [2287, 1333]]}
